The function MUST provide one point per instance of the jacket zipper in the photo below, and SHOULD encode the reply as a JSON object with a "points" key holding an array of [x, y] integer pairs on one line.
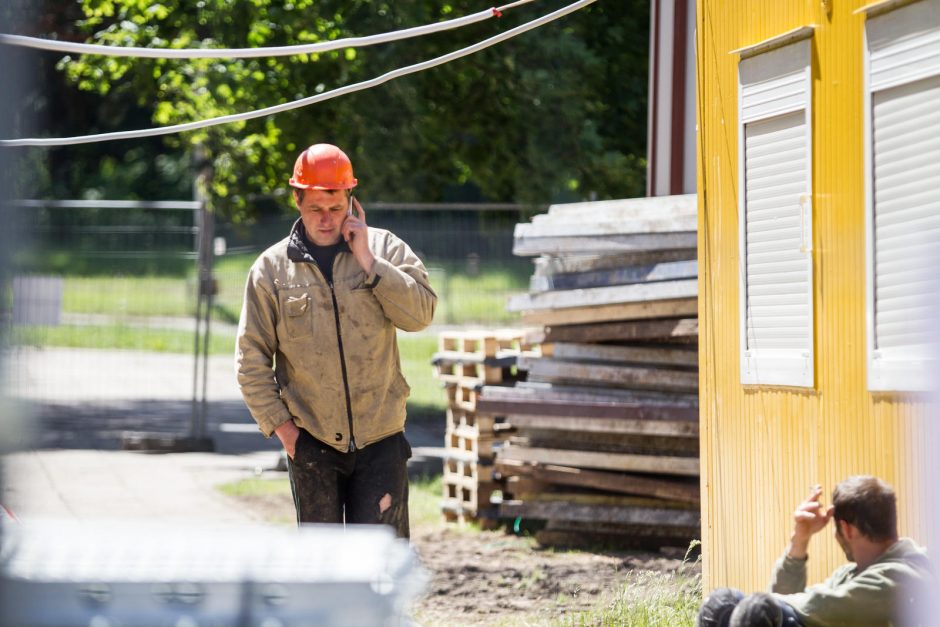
{"points": [[342, 362]]}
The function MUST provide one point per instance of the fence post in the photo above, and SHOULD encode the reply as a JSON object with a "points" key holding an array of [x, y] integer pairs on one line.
{"points": [[204, 295]]}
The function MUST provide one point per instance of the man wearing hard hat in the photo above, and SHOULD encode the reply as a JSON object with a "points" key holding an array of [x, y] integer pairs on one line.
{"points": [[317, 355]]}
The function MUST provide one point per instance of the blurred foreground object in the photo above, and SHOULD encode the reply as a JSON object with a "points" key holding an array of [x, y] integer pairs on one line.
{"points": [[61, 573]]}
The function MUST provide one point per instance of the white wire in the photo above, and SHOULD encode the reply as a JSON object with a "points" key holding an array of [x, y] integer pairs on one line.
{"points": [[303, 102], [241, 53]]}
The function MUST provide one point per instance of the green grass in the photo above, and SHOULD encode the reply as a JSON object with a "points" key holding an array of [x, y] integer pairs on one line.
{"points": [[648, 599], [129, 296], [416, 351], [118, 336], [256, 487], [424, 502], [463, 299]]}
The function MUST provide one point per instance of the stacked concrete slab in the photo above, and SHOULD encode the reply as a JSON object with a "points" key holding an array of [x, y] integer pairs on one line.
{"points": [[604, 446]]}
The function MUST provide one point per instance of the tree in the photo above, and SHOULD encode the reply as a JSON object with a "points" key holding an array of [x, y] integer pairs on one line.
{"points": [[556, 114]]}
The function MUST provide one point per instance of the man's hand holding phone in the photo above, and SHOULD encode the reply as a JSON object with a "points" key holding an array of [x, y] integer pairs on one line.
{"points": [[356, 232]]}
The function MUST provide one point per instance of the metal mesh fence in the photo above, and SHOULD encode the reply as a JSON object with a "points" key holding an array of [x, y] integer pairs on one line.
{"points": [[466, 247], [102, 307]]}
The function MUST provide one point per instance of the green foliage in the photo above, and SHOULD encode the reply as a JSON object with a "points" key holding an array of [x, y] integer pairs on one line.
{"points": [[556, 114]]}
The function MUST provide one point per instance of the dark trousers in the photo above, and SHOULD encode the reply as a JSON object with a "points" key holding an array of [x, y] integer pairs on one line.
{"points": [[367, 486]]}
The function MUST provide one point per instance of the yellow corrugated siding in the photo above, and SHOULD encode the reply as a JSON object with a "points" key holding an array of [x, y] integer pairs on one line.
{"points": [[762, 448]]}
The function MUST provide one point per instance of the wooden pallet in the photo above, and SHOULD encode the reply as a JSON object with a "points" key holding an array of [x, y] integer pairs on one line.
{"points": [[487, 343], [455, 467], [462, 495], [469, 443], [475, 422], [462, 395], [478, 373]]}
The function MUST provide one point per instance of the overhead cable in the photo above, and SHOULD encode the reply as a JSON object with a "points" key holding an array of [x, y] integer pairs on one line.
{"points": [[303, 102], [246, 53]]}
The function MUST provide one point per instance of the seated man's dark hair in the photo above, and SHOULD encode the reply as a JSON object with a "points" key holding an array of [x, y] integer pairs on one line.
{"points": [[869, 504]]}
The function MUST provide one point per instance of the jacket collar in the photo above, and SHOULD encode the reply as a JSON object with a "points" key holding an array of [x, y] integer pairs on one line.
{"points": [[297, 250]]}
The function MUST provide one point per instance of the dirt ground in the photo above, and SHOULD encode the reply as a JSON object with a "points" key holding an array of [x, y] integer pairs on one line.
{"points": [[498, 578], [493, 577]]}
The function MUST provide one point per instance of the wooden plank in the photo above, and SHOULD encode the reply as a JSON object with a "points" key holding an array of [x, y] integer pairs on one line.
{"points": [[574, 533], [684, 428], [656, 464], [631, 538], [585, 409], [635, 293], [537, 390], [643, 354], [616, 276], [518, 487], [555, 370], [611, 224], [635, 330], [644, 530], [549, 265], [624, 483], [477, 423], [530, 246], [664, 205], [502, 359], [684, 446], [562, 510], [621, 311], [576, 497]]}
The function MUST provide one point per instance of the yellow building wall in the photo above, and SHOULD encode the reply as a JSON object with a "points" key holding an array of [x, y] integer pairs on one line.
{"points": [[763, 447]]}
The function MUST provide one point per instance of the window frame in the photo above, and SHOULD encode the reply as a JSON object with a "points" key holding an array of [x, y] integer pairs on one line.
{"points": [[777, 367], [889, 372]]}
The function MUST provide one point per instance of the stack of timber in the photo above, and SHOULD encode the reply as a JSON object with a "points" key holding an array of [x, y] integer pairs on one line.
{"points": [[604, 447], [465, 362]]}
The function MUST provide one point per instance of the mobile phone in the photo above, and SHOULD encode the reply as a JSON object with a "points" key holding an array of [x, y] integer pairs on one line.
{"points": [[350, 210]]}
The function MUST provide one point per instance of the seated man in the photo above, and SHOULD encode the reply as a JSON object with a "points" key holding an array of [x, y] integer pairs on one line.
{"points": [[876, 589]]}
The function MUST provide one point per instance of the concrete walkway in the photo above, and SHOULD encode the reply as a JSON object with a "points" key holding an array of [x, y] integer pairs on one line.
{"points": [[87, 485]]}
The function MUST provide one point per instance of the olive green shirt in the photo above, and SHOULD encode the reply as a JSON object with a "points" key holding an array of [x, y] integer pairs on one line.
{"points": [[876, 595]]}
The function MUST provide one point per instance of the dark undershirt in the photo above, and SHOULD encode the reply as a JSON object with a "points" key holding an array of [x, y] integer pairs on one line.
{"points": [[325, 255]]}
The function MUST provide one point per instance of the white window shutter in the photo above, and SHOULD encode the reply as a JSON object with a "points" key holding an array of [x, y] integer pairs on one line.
{"points": [[903, 196], [776, 218]]}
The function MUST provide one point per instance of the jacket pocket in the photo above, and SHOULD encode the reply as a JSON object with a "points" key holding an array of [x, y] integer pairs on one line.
{"points": [[298, 315]]}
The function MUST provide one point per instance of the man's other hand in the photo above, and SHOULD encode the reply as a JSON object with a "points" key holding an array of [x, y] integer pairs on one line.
{"points": [[288, 433], [809, 518]]}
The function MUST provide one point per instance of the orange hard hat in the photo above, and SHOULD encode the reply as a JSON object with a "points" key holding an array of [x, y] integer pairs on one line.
{"points": [[323, 166]]}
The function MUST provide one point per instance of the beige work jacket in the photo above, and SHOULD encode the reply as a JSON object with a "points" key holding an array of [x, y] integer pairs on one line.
{"points": [[326, 356]]}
